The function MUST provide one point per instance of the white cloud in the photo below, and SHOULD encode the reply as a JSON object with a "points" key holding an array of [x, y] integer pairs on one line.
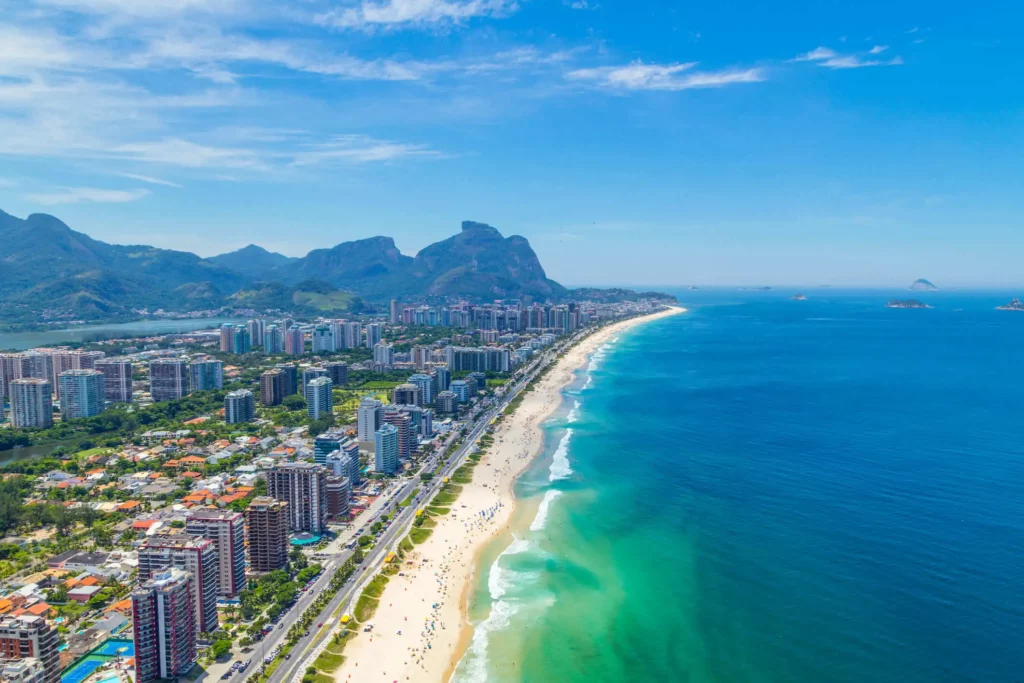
{"points": [[149, 179], [828, 58], [360, 149], [640, 76], [74, 195], [187, 154], [371, 14]]}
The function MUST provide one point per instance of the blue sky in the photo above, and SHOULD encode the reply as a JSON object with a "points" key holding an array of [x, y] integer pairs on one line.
{"points": [[828, 142]]}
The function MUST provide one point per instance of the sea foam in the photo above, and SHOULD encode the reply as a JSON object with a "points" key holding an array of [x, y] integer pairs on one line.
{"points": [[571, 417], [541, 520], [560, 467]]}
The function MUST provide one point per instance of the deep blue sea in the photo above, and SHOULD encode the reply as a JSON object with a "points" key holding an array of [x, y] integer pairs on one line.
{"points": [[767, 490]]}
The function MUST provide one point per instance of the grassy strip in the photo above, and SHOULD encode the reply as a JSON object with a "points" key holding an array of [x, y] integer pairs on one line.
{"points": [[408, 501], [438, 511], [406, 544], [365, 608], [328, 661], [420, 535]]}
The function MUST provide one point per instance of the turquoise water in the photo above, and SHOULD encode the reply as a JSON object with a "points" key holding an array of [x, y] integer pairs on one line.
{"points": [[768, 490]]}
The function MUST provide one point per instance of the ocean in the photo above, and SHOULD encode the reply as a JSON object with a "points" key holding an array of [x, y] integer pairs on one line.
{"points": [[768, 490]]}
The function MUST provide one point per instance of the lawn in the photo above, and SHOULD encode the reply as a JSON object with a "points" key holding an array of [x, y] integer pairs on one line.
{"points": [[379, 384], [420, 535]]}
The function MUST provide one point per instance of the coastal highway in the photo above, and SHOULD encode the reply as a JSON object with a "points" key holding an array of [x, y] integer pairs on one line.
{"points": [[293, 667]]}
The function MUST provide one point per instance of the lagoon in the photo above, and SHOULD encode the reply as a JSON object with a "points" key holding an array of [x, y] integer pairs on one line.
{"points": [[19, 341]]}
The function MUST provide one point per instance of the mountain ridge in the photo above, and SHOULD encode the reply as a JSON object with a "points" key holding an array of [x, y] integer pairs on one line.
{"points": [[48, 267]]}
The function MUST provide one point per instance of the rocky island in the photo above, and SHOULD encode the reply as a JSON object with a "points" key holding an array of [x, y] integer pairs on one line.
{"points": [[922, 285], [798, 297], [906, 303], [1015, 305]]}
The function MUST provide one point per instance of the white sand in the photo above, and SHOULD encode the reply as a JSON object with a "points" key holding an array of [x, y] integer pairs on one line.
{"points": [[421, 629]]}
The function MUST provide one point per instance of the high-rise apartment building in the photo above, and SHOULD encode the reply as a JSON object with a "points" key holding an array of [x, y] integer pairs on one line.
{"points": [[117, 379], [227, 332], [374, 333], [309, 374], [239, 406], [339, 454], [291, 378], [384, 355], [303, 486], [266, 522], [206, 374], [272, 387], [369, 418], [446, 402], [407, 437], [426, 386], [295, 341], [407, 394], [396, 312], [82, 393], [31, 403], [442, 377], [323, 339], [256, 328], [386, 450], [195, 555], [273, 340], [353, 335], [164, 625], [226, 529], [29, 636], [319, 398], [168, 379], [241, 342], [339, 498], [338, 372]]}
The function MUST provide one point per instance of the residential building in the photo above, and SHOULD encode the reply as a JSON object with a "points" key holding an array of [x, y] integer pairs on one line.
{"points": [[31, 403], [227, 332], [241, 342], [425, 383], [442, 378], [28, 670], [30, 636], [386, 451], [339, 454], [338, 372], [320, 398], [303, 486], [446, 402], [406, 394], [339, 498], [272, 387], [369, 418], [384, 355], [396, 313], [82, 392], [374, 332], [295, 341], [309, 374], [256, 329], [164, 626], [206, 374], [460, 388], [353, 335], [323, 339], [291, 378], [239, 406], [273, 340], [117, 379], [226, 529], [402, 421], [195, 555], [266, 523], [168, 379]]}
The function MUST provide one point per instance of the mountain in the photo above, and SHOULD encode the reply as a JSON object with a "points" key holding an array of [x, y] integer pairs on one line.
{"points": [[922, 286], [45, 266], [252, 260]]}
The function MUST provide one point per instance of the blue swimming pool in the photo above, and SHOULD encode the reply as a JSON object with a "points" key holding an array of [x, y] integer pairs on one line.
{"points": [[87, 665]]}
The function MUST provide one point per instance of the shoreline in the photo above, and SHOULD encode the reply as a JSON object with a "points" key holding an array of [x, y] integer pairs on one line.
{"points": [[442, 570]]}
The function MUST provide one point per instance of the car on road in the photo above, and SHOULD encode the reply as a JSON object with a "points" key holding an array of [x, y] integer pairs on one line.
{"points": [[320, 624]]}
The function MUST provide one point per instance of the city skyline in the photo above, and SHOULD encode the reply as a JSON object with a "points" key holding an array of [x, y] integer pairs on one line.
{"points": [[735, 145]]}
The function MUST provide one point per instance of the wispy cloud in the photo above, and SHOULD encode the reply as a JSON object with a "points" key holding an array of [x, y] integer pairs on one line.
{"points": [[74, 195], [640, 76], [149, 179], [361, 149], [831, 59], [388, 14]]}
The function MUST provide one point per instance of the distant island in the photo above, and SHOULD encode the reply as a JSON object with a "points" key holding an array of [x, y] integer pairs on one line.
{"points": [[1015, 305], [798, 297], [923, 286], [906, 303]]}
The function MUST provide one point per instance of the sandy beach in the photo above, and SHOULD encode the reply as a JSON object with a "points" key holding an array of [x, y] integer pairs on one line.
{"points": [[421, 630]]}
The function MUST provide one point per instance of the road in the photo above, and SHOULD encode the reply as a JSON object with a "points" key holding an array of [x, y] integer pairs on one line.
{"points": [[296, 664]]}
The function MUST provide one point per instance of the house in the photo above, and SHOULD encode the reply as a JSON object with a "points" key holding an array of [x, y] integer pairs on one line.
{"points": [[124, 607], [83, 594], [129, 506]]}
